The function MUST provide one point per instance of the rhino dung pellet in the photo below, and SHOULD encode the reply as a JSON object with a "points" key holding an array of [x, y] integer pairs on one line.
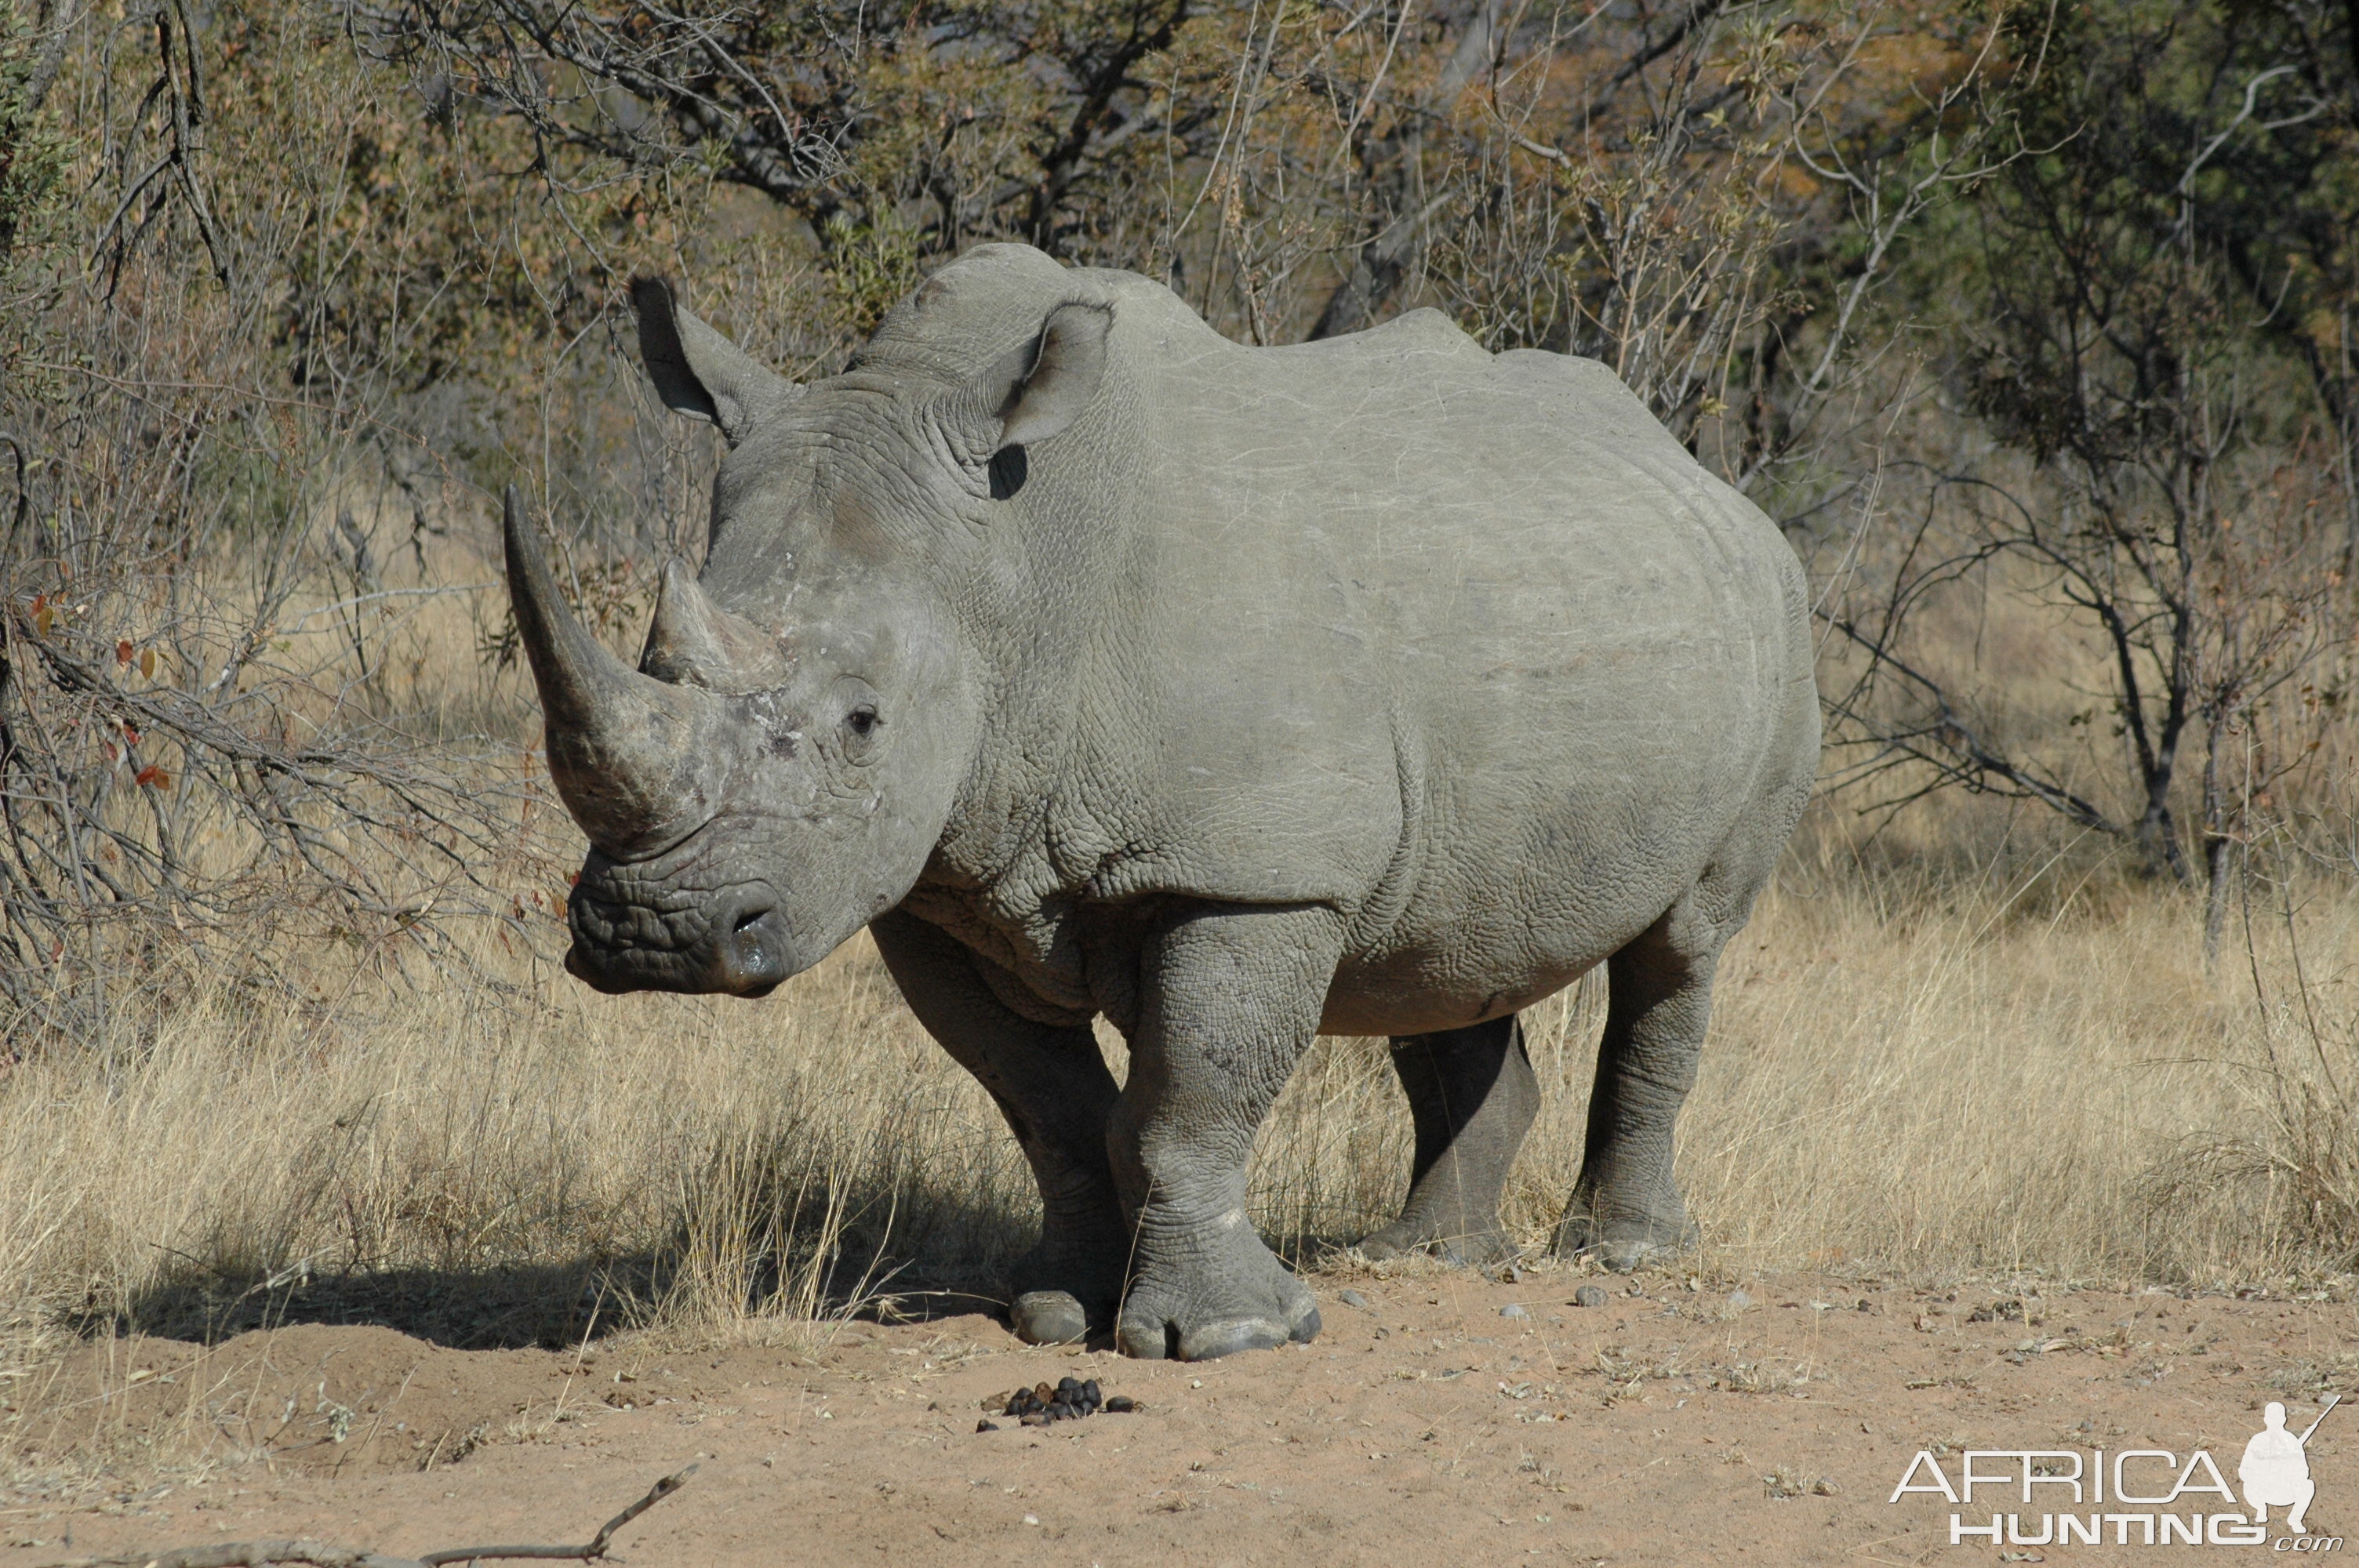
{"points": [[1070, 1400]]}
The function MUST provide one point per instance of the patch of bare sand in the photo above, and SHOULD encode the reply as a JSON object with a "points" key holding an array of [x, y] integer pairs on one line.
{"points": [[1672, 1424], [304, 1399]]}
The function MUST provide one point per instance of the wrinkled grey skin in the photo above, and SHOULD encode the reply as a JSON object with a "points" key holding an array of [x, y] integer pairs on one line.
{"points": [[1097, 664]]}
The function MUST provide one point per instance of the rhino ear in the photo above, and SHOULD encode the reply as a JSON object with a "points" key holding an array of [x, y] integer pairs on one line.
{"points": [[1050, 381], [700, 373]]}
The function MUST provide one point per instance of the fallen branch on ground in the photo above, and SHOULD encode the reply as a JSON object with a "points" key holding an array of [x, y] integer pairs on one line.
{"points": [[264, 1554]]}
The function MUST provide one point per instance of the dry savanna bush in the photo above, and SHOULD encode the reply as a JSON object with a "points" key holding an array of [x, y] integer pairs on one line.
{"points": [[287, 294]]}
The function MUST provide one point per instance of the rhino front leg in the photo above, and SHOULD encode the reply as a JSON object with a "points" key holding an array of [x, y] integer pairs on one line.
{"points": [[1229, 998], [1625, 1207], [1052, 1086], [1472, 1096]]}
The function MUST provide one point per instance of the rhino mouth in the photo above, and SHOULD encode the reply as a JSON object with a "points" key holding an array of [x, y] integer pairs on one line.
{"points": [[734, 940]]}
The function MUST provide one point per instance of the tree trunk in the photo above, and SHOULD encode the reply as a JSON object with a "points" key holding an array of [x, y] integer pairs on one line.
{"points": [[2216, 894], [2222, 816], [2157, 832]]}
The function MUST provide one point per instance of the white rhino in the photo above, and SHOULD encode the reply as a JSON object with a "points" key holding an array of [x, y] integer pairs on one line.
{"points": [[1380, 685]]}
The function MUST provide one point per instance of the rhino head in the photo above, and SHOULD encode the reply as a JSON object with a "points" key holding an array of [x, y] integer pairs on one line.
{"points": [[806, 712]]}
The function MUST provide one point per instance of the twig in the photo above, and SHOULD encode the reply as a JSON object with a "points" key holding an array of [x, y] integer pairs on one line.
{"points": [[354, 602], [597, 1547], [264, 1554], [24, 496]]}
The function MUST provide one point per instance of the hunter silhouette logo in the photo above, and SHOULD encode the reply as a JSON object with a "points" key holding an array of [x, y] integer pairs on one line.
{"points": [[2141, 1497], [2275, 1470]]}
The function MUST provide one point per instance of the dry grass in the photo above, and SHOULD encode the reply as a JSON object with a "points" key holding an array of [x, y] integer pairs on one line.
{"points": [[1981, 1080]]}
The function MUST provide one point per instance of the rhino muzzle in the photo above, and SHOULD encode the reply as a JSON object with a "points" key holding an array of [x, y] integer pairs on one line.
{"points": [[736, 941]]}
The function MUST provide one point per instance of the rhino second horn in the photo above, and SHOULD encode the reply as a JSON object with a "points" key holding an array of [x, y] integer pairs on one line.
{"points": [[625, 750], [695, 642]]}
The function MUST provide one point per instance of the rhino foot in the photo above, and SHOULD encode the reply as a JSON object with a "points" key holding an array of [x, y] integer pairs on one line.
{"points": [[1049, 1317], [1472, 1249], [1065, 1288], [1201, 1314], [1625, 1255], [1624, 1245]]}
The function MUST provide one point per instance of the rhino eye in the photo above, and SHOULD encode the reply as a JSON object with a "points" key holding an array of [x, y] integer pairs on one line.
{"points": [[1007, 472], [861, 729]]}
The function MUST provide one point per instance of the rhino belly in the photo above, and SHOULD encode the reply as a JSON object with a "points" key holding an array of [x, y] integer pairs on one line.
{"points": [[1527, 860], [1496, 945]]}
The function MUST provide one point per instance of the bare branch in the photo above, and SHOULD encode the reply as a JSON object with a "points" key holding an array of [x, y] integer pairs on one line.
{"points": [[270, 1554]]}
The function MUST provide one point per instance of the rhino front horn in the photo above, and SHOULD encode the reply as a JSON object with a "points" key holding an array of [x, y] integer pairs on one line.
{"points": [[625, 750]]}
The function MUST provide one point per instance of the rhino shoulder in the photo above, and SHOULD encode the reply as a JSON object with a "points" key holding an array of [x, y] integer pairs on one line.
{"points": [[1602, 397], [1424, 333]]}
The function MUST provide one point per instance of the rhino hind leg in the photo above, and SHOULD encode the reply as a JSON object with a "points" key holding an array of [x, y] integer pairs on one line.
{"points": [[1473, 1098], [1625, 1209], [1052, 1086]]}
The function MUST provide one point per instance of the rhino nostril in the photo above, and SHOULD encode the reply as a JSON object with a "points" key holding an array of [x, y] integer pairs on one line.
{"points": [[753, 958]]}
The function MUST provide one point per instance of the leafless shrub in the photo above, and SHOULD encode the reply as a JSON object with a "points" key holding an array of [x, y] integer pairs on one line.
{"points": [[2183, 513], [897, 133], [206, 747]]}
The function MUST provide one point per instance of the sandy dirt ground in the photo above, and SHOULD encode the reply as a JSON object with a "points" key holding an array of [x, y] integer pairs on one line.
{"points": [[1441, 1417]]}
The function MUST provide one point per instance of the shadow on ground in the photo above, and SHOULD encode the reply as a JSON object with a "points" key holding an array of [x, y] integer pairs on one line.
{"points": [[496, 1307], [890, 1258], [584, 1300]]}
